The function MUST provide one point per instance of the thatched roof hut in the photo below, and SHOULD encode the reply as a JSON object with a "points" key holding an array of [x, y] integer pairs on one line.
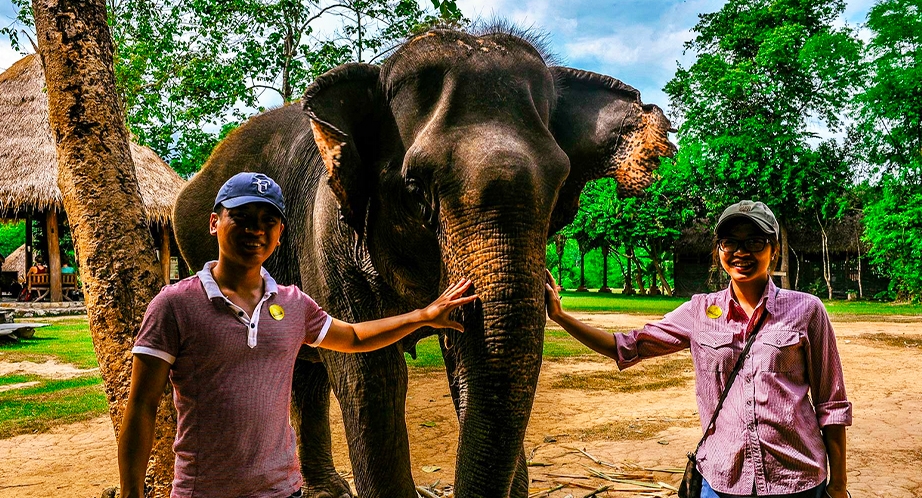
{"points": [[16, 261], [29, 168], [28, 157]]}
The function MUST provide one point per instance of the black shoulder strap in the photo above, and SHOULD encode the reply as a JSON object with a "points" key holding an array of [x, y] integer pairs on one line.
{"points": [[733, 374]]}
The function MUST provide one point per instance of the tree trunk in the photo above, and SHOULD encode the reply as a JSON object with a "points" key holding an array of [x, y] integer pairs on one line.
{"points": [[858, 248], [785, 258], [628, 277], [102, 200], [657, 265], [827, 264], [582, 272], [638, 274], [605, 288]]}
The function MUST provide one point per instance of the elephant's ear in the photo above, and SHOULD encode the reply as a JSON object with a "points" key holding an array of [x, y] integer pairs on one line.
{"points": [[352, 125], [606, 131]]}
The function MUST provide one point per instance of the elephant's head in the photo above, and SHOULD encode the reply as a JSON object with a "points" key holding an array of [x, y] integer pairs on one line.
{"points": [[458, 158]]}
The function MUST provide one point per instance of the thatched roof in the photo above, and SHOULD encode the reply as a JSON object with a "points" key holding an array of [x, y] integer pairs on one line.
{"points": [[28, 158], [16, 261]]}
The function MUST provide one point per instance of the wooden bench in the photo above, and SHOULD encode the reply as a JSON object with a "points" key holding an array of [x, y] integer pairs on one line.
{"points": [[41, 283]]}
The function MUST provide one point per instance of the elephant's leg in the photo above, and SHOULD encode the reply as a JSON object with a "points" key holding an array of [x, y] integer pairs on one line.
{"points": [[520, 480], [310, 416], [372, 391]]}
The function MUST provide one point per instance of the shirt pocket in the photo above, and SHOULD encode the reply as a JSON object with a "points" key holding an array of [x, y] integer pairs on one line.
{"points": [[716, 351], [782, 350]]}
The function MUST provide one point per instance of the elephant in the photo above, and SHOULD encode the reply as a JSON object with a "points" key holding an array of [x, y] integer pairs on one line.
{"points": [[456, 158]]}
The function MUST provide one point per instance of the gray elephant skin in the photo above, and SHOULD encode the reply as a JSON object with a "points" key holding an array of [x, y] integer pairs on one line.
{"points": [[458, 157]]}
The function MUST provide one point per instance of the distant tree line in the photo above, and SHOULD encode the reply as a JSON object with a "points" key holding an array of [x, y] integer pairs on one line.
{"points": [[767, 74]]}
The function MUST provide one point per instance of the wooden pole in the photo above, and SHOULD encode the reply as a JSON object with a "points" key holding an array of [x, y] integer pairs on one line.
{"points": [[54, 254], [29, 242], [165, 254]]}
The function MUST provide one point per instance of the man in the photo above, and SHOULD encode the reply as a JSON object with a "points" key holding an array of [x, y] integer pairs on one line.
{"points": [[227, 339]]}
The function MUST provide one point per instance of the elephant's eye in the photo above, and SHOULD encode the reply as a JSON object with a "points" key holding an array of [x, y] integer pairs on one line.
{"points": [[419, 201]]}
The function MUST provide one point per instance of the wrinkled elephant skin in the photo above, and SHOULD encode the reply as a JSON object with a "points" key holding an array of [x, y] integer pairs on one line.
{"points": [[456, 158]]}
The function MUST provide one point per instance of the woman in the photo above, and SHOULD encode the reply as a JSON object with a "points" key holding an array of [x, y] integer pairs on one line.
{"points": [[785, 415]]}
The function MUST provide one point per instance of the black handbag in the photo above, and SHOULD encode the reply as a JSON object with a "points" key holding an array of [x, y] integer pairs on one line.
{"points": [[691, 481]]}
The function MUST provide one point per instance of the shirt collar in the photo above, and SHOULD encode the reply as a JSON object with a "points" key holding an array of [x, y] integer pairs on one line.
{"points": [[767, 299], [214, 291]]}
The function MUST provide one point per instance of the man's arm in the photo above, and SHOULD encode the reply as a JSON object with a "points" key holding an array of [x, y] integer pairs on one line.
{"points": [[376, 334], [148, 379]]}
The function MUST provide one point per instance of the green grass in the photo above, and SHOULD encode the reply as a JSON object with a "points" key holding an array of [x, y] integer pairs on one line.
{"points": [[617, 303], [50, 403], [67, 341], [428, 355], [557, 344], [660, 305]]}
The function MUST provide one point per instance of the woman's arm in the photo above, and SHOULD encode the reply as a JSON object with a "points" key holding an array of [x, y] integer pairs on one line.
{"points": [[666, 336], [598, 340], [834, 437]]}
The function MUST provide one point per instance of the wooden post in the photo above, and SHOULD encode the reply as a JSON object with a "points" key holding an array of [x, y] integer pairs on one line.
{"points": [[54, 255], [29, 243], [165, 254]]}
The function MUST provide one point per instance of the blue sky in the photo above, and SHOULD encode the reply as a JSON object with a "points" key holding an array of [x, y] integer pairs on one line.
{"points": [[636, 41]]}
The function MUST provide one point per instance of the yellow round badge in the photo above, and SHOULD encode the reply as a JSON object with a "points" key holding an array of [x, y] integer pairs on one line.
{"points": [[277, 312], [714, 311]]}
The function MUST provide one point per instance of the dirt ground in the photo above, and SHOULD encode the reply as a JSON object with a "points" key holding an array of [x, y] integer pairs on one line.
{"points": [[627, 431]]}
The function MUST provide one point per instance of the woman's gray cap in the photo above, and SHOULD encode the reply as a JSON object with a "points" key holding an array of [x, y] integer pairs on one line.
{"points": [[244, 188], [757, 212]]}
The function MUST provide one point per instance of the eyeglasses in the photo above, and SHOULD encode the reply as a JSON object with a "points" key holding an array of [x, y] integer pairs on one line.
{"points": [[750, 245]]}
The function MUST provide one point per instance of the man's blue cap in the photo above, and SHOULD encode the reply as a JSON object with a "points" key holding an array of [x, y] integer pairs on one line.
{"points": [[245, 188]]}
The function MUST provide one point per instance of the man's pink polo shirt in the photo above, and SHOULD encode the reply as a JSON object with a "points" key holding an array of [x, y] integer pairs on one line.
{"points": [[231, 376]]}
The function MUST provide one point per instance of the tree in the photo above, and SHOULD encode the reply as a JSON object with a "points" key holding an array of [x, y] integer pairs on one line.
{"points": [[764, 68], [120, 274], [889, 131], [190, 72]]}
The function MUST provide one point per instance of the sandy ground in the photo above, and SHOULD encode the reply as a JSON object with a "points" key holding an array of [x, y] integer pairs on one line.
{"points": [[646, 430]]}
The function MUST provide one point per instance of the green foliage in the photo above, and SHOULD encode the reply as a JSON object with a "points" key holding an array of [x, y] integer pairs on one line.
{"points": [[889, 118], [889, 133], [185, 69], [763, 69], [12, 235], [893, 225]]}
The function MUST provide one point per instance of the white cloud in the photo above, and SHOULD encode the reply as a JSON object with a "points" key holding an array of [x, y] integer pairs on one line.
{"points": [[631, 46], [7, 55]]}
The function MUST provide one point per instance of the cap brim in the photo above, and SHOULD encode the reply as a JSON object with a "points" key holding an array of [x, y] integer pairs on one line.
{"points": [[248, 199], [765, 227]]}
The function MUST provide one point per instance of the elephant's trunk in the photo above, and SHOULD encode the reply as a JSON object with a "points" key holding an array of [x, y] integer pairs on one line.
{"points": [[497, 359]]}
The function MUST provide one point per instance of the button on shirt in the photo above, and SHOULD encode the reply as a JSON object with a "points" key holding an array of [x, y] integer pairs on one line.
{"points": [[767, 436]]}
